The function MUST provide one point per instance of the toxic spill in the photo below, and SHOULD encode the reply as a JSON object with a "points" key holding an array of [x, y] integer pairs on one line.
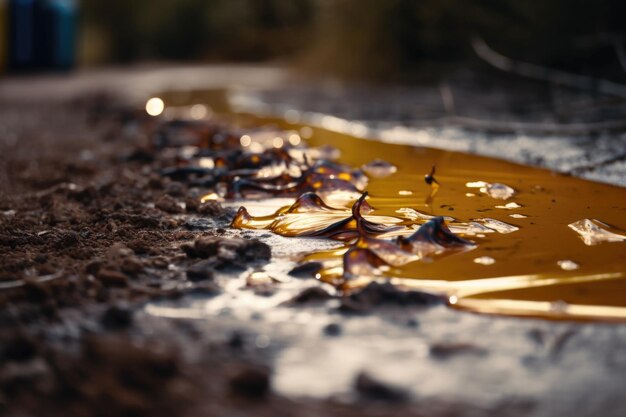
{"points": [[537, 243], [489, 235]]}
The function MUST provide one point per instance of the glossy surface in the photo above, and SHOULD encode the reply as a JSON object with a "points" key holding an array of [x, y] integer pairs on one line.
{"points": [[519, 217], [526, 266]]}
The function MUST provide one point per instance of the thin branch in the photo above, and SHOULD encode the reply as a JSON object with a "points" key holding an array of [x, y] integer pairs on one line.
{"points": [[538, 72], [570, 129], [9, 285], [593, 166]]}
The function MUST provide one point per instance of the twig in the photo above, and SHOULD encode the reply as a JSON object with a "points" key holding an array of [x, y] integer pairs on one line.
{"points": [[538, 72], [9, 285], [559, 342], [574, 129], [596, 165]]}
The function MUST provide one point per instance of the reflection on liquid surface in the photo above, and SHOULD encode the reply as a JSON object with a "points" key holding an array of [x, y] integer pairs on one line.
{"points": [[522, 263], [537, 243]]}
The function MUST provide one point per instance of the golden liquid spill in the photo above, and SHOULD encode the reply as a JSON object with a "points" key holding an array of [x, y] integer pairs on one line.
{"points": [[531, 264], [526, 278]]}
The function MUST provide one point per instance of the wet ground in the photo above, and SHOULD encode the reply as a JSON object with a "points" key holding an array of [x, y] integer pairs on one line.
{"points": [[569, 131], [102, 317]]}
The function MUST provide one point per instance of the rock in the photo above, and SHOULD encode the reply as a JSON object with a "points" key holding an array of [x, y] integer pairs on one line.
{"points": [[192, 204], [139, 246], [175, 189], [202, 247], [206, 289], [376, 294], [112, 278], [141, 154], [445, 351], [201, 224], [412, 322], [169, 205], [229, 255], [117, 317], [332, 329], [41, 258], [19, 348], [118, 251], [306, 270], [233, 250], [155, 182], [93, 267], [159, 262], [311, 294], [237, 341], [372, 389], [255, 250], [131, 265], [252, 382], [211, 208], [35, 291], [201, 271]]}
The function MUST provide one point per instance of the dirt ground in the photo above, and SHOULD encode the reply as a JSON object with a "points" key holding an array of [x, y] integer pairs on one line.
{"points": [[92, 237]]}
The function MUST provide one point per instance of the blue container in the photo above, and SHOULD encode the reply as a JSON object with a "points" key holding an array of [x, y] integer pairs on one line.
{"points": [[42, 34], [59, 33], [22, 34], [4, 35]]}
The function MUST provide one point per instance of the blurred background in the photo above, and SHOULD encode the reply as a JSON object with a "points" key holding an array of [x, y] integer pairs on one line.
{"points": [[360, 39]]}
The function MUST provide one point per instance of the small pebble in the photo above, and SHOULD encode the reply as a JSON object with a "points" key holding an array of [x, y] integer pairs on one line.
{"points": [[332, 329]]}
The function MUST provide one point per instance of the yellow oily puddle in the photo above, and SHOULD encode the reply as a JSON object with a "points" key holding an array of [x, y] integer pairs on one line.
{"points": [[534, 264], [526, 276]]}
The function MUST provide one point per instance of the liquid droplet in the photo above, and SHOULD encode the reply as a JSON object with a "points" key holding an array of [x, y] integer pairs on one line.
{"points": [[593, 232], [485, 260], [379, 168], [476, 184], [471, 228], [494, 190], [413, 214], [499, 191], [497, 225], [568, 265], [509, 206]]}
